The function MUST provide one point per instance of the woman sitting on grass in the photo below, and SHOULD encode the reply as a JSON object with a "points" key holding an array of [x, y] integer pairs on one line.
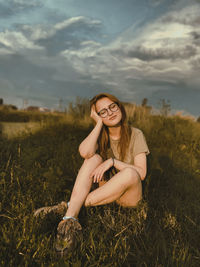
{"points": [[115, 158]]}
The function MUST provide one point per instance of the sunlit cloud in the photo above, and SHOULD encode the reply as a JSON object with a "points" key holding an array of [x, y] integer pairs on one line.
{"points": [[16, 41]]}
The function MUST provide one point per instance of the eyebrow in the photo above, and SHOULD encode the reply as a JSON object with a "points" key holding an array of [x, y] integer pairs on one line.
{"points": [[105, 108]]}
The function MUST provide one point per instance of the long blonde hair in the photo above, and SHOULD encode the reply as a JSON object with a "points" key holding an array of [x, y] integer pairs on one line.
{"points": [[125, 133]]}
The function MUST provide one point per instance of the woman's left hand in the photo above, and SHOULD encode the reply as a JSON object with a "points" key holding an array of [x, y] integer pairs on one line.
{"points": [[99, 171]]}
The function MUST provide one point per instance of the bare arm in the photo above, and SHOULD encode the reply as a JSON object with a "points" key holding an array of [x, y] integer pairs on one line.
{"points": [[89, 145], [140, 165]]}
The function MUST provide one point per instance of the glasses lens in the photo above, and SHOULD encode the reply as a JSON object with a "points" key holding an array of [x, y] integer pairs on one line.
{"points": [[103, 113], [114, 107]]}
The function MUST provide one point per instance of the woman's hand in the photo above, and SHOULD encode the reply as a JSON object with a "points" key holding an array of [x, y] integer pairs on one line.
{"points": [[99, 171], [94, 115]]}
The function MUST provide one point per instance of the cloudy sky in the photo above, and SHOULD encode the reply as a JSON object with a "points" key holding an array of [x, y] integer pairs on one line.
{"points": [[134, 49]]}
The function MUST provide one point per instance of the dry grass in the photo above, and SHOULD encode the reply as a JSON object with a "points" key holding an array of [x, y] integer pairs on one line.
{"points": [[15, 129], [39, 168]]}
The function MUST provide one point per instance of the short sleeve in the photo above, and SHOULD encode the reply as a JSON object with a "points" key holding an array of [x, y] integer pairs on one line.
{"points": [[140, 144]]}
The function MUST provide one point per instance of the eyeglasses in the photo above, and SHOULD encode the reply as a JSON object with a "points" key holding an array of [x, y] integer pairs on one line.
{"points": [[113, 107]]}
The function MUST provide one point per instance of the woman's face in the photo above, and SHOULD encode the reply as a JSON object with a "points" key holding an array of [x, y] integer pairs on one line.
{"points": [[112, 114]]}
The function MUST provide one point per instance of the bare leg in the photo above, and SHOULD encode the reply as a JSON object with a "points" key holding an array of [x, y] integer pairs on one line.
{"points": [[125, 188], [82, 185]]}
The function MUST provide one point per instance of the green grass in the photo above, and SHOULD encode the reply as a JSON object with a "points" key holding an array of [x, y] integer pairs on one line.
{"points": [[39, 168]]}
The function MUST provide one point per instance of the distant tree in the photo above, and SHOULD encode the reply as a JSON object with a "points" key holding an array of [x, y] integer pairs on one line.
{"points": [[165, 107], [198, 120], [144, 102], [60, 104], [79, 108], [1, 101], [9, 107], [145, 106], [13, 107]]}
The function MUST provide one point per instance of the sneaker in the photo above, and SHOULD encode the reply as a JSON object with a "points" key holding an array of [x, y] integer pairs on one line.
{"points": [[69, 234], [60, 209]]}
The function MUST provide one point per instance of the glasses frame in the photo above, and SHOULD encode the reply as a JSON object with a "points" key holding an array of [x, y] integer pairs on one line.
{"points": [[106, 109]]}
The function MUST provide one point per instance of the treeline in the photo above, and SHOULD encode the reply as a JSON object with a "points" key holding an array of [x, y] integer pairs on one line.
{"points": [[24, 116], [80, 110]]}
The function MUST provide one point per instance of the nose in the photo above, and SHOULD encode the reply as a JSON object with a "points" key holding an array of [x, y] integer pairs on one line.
{"points": [[109, 112]]}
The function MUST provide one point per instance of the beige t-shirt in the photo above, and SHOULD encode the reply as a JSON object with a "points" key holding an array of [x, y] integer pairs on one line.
{"points": [[137, 145]]}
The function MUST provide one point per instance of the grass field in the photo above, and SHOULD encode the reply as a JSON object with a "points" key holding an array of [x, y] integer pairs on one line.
{"points": [[39, 168], [15, 129]]}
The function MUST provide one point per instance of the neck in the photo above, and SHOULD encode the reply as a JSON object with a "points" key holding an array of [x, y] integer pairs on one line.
{"points": [[114, 131]]}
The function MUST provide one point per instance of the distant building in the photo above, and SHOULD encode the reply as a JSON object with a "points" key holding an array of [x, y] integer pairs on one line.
{"points": [[36, 108], [44, 109]]}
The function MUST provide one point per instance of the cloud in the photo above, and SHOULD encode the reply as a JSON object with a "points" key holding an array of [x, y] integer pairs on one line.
{"points": [[156, 3], [164, 52], [162, 57], [196, 63], [161, 46], [78, 23], [21, 5], [34, 81], [69, 26], [67, 34], [188, 15], [13, 7], [150, 54], [24, 2], [4, 50], [43, 79], [16, 41], [46, 76], [196, 35], [70, 58]]}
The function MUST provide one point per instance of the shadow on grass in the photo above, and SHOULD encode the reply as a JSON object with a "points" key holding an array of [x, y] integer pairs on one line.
{"points": [[172, 224], [40, 170]]}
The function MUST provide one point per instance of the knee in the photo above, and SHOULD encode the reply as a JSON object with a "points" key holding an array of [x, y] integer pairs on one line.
{"points": [[95, 159], [88, 202], [131, 176]]}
